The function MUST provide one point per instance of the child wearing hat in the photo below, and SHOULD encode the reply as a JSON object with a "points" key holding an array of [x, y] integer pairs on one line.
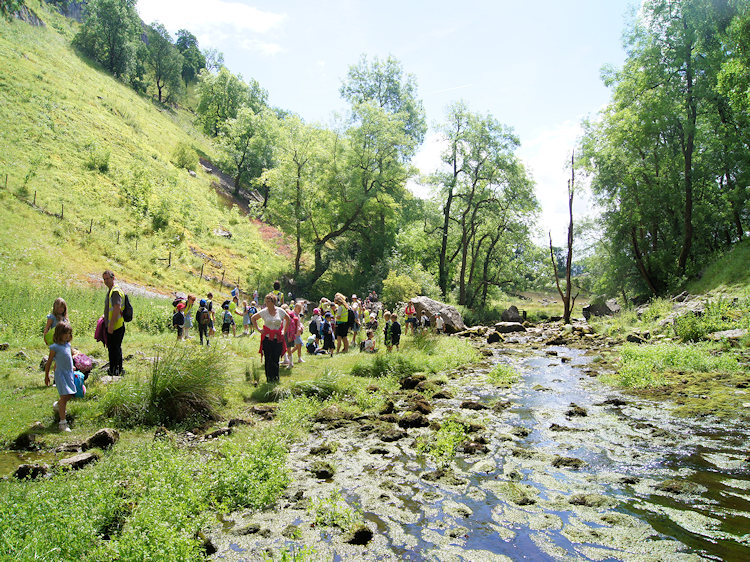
{"points": [[178, 319]]}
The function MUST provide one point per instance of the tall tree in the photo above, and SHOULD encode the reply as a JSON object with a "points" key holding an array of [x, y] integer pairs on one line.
{"points": [[222, 94], [164, 60], [567, 298], [109, 32], [248, 140], [193, 59]]}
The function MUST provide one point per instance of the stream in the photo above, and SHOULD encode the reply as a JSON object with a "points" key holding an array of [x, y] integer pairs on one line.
{"points": [[572, 471]]}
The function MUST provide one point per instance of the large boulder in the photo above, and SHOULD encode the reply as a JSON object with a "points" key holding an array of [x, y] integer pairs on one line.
{"points": [[509, 327], [601, 307], [511, 315], [453, 321]]}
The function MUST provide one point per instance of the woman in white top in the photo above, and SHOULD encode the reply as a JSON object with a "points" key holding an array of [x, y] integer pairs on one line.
{"points": [[272, 344]]}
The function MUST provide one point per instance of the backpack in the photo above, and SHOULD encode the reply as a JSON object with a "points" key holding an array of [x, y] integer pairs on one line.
{"points": [[313, 328], [203, 317], [227, 317], [127, 310], [350, 321], [78, 379], [83, 363]]}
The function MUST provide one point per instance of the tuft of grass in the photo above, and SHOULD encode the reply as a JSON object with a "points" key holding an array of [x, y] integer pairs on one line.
{"points": [[389, 364], [185, 386], [719, 315], [503, 375]]}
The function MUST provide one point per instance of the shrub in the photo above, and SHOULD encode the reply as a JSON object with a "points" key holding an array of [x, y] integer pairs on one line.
{"points": [[185, 157], [398, 288], [719, 315], [97, 159]]}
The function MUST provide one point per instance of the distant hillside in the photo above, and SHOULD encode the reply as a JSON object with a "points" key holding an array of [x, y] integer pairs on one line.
{"points": [[88, 161]]}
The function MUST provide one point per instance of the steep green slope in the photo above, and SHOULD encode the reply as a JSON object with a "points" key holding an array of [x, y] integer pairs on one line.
{"points": [[729, 273], [83, 152]]}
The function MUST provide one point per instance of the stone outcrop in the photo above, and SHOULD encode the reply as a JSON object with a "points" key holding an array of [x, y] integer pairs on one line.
{"points": [[453, 321], [601, 307], [511, 315]]}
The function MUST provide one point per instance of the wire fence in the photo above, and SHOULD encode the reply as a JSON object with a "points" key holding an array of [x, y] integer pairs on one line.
{"points": [[89, 227]]}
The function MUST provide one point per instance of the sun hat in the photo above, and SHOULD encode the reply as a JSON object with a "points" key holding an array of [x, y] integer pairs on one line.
{"points": [[203, 302], [316, 311], [181, 306]]}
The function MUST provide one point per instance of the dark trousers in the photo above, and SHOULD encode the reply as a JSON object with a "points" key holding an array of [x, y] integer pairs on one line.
{"points": [[203, 331], [114, 348], [271, 355]]}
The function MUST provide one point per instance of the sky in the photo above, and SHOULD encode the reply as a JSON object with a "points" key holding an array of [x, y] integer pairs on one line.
{"points": [[534, 65]]}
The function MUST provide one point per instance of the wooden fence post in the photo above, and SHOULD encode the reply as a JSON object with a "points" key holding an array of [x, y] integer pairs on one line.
{"points": [[169, 263], [6, 182], [136, 244], [62, 210], [202, 266], [118, 236], [35, 197], [91, 225], [222, 278]]}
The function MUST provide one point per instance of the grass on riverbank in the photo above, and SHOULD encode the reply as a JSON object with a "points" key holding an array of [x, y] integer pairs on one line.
{"points": [[698, 378]]}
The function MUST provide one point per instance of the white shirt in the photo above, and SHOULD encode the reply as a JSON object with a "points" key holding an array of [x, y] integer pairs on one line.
{"points": [[273, 322]]}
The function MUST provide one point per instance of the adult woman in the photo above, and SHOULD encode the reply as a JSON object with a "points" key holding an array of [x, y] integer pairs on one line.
{"points": [[342, 322], [272, 344]]}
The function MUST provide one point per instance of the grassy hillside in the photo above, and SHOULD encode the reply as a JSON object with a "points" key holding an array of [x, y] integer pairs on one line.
{"points": [[730, 273], [81, 152]]}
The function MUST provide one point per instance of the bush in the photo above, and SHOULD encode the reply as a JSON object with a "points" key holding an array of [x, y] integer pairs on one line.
{"points": [[719, 315], [97, 159], [185, 386], [398, 288], [185, 157]]}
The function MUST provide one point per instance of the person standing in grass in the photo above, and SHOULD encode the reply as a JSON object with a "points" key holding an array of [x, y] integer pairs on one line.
{"points": [[439, 323], [114, 323], [272, 345], [326, 332], [411, 317], [58, 314], [278, 293], [203, 319], [300, 329], [342, 323], [178, 320], [61, 353], [188, 312]]}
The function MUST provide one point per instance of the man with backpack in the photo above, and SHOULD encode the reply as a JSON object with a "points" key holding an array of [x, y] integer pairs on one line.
{"points": [[116, 308]]}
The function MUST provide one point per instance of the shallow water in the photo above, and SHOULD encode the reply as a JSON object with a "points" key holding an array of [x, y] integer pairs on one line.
{"points": [[653, 486]]}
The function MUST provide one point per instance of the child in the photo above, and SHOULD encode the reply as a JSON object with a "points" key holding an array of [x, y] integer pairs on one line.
{"points": [[203, 319], [250, 312], [59, 312], [188, 312], [315, 325], [300, 330], [369, 343], [439, 323], [244, 311], [372, 324], [292, 327], [395, 330], [178, 320], [61, 354], [227, 321], [327, 333], [424, 321], [210, 307], [392, 330]]}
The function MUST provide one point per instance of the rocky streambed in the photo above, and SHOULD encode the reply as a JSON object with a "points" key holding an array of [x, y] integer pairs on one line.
{"points": [[556, 467]]}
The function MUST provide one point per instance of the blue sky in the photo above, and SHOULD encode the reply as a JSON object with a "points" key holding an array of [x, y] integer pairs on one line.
{"points": [[534, 65]]}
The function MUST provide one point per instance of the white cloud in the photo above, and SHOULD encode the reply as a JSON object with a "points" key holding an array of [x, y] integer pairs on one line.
{"points": [[547, 157], [263, 47], [209, 18], [427, 160]]}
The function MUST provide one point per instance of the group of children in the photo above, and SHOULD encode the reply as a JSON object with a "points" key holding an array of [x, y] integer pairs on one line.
{"points": [[205, 317]]}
